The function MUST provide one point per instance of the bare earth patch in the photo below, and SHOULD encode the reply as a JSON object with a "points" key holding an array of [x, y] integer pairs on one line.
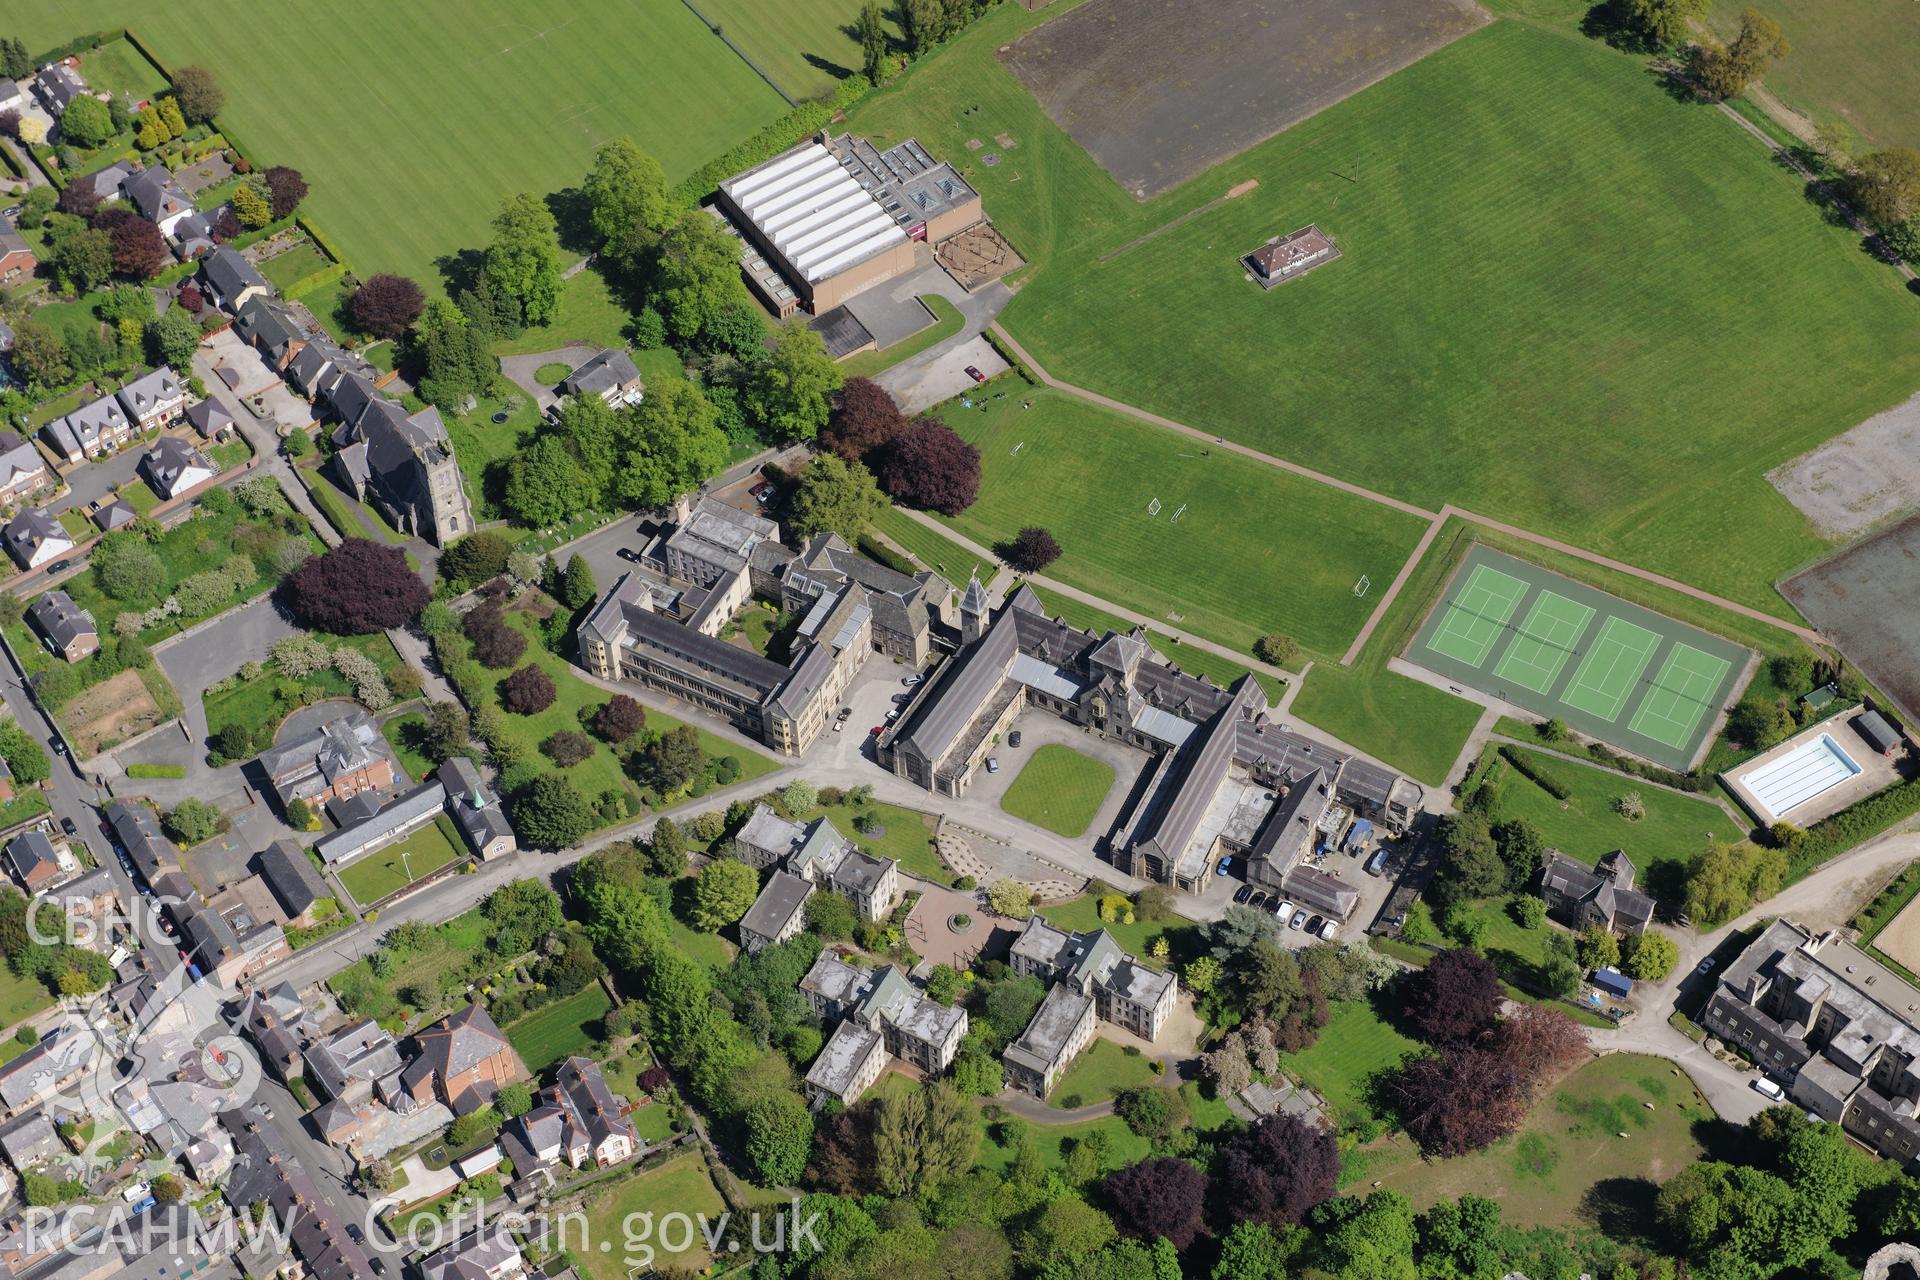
{"points": [[1901, 938], [1859, 478], [110, 712], [1159, 91], [1864, 600]]}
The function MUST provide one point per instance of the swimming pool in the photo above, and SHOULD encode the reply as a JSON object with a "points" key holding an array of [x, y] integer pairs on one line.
{"points": [[1785, 784]]}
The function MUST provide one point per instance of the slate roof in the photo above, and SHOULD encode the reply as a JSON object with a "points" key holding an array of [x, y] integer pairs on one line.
{"points": [[778, 903], [110, 182], [473, 1256], [270, 325], [474, 806], [290, 874], [266, 1169], [230, 274], [208, 417], [155, 194], [839, 1062], [60, 620], [58, 85], [33, 857], [169, 460], [117, 514], [339, 747], [1045, 1039], [455, 1044], [1561, 875], [358, 1051], [30, 531], [11, 241], [406, 808], [136, 831], [607, 371], [83, 429]]}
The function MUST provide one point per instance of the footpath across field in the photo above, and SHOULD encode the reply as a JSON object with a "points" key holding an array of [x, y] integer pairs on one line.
{"points": [[1626, 675]]}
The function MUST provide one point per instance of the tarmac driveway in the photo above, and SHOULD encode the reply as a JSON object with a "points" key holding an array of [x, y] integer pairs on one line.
{"points": [[920, 386], [520, 370]]}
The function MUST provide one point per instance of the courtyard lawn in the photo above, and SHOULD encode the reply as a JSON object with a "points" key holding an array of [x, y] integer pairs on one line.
{"points": [[474, 102], [680, 1186], [284, 270], [389, 870], [1521, 149], [1059, 789], [588, 313], [947, 558], [1253, 549], [1584, 825], [1516, 952], [559, 1030], [1568, 1165], [485, 447], [404, 735], [1354, 1047], [1082, 915], [1189, 658], [1102, 1070]]}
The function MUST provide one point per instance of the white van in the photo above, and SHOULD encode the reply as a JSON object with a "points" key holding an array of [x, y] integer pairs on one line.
{"points": [[1768, 1089]]}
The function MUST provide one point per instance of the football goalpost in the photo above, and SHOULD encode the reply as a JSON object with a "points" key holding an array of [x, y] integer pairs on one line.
{"points": [[1153, 507], [1361, 587], [1175, 517], [1017, 448]]}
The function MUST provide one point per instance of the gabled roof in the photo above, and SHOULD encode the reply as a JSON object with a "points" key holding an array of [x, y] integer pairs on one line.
{"points": [[208, 417], [31, 530], [11, 241], [229, 273], [777, 904], [60, 620], [290, 874], [269, 323], [607, 371], [170, 460], [155, 194], [455, 1044], [117, 514], [151, 392], [33, 856]]}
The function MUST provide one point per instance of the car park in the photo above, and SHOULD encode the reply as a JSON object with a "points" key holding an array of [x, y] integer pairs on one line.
{"points": [[1299, 920], [975, 374], [1328, 928], [1281, 908], [1377, 863]]}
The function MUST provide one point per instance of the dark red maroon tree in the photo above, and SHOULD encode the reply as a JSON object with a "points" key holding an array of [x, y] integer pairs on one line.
{"points": [[495, 644], [10, 124], [285, 190], [843, 1158], [386, 305], [1278, 1169], [1163, 1196], [192, 299], [865, 419], [527, 692], [139, 250], [1453, 999], [928, 466], [80, 200], [226, 224], [1458, 1100], [619, 718], [357, 588], [1031, 550], [1536, 1040]]}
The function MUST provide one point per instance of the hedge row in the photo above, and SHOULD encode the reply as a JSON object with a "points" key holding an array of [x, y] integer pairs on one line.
{"points": [[82, 44], [319, 239], [1540, 777], [314, 279], [808, 117], [1855, 824], [148, 54], [12, 161]]}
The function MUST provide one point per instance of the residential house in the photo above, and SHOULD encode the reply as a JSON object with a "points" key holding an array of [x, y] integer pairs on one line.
{"points": [[193, 237], [109, 183], [388, 825], [231, 947], [1060, 1029], [58, 84], [33, 538], [611, 375], [159, 198], [37, 863], [1126, 993], [881, 1014], [154, 399], [777, 914], [476, 809], [22, 470], [461, 1060], [117, 514], [486, 1253], [210, 419], [272, 328], [65, 628], [1835, 1027], [290, 876], [266, 1170], [43, 1070], [281, 1028], [30, 1140], [93, 908], [136, 834], [348, 1065], [402, 463], [1604, 896], [174, 467], [344, 757], [230, 280], [16, 256], [578, 1120], [13, 97], [321, 363], [90, 431]]}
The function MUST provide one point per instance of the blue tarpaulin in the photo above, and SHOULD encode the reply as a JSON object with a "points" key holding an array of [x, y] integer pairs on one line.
{"points": [[1359, 833]]}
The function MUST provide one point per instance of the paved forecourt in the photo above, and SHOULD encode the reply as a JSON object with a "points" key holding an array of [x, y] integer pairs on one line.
{"points": [[1633, 678]]}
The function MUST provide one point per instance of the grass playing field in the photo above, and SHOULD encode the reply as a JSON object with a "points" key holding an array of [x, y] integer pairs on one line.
{"points": [[393, 868], [1557, 647], [1615, 407], [1254, 549], [1852, 60], [1354, 1047], [802, 44], [1059, 789], [412, 121]]}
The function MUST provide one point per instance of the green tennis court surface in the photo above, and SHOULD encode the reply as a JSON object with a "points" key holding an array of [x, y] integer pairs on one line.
{"points": [[1615, 671]]}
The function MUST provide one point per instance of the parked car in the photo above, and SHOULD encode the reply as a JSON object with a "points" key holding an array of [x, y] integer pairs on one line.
{"points": [[1377, 863], [66, 825], [1328, 928], [876, 731], [913, 680], [1767, 1088], [1299, 919], [840, 724], [845, 713], [59, 566], [763, 493], [1013, 739], [1706, 966], [1281, 908], [1241, 894], [354, 1234], [975, 374], [893, 715], [993, 764], [1226, 865], [628, 553], [1257, 900], [1313, 925]]}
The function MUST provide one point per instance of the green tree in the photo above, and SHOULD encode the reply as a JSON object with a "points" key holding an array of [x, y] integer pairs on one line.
{"points": [[779, 1138], [127, 569], [1065, 1231], [86, 122], [872, 30], [545, 484], [198, 93], [523, 263], [1473, 868], [193, 821], [672, 760], [251, 202], [722, 892], [1528, 911], [514, 1099], [1649, 956], [1886, 186], [835, 496], [1726, 73], [15, 62], [696, 273], [551, 813], [40, 354], [174, 337], [673, 442], [83, 259], [628, 199], [447, 730], [1559, 970], [1597, 948], [668, 851], [923, 1138], [791, 391], [1663, 24], [577, 587], [597, 437], [1727, 878], [1375, 1243]]}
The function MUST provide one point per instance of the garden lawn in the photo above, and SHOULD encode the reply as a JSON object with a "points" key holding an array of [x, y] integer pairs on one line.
{"points": [[1584, 826], [559, 1030], [1082, 915], [947, 321], [484, 98], [802, 44], [284, 270], [1059, 789], [1569, 1147], [908, 836], [118, 68], [1516, 952], [454, 945], [1355, 1046], [20, 997], [1255, 549], [485, 447], [680, 1186], [257, 703], [1523, 150], [589, 313], [393, 868], [403, 734], [948, 559], [1194, 661], [1102, 1070]]}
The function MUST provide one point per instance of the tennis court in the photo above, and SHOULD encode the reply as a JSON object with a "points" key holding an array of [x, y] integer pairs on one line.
{"points": [[1554, 647]]}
